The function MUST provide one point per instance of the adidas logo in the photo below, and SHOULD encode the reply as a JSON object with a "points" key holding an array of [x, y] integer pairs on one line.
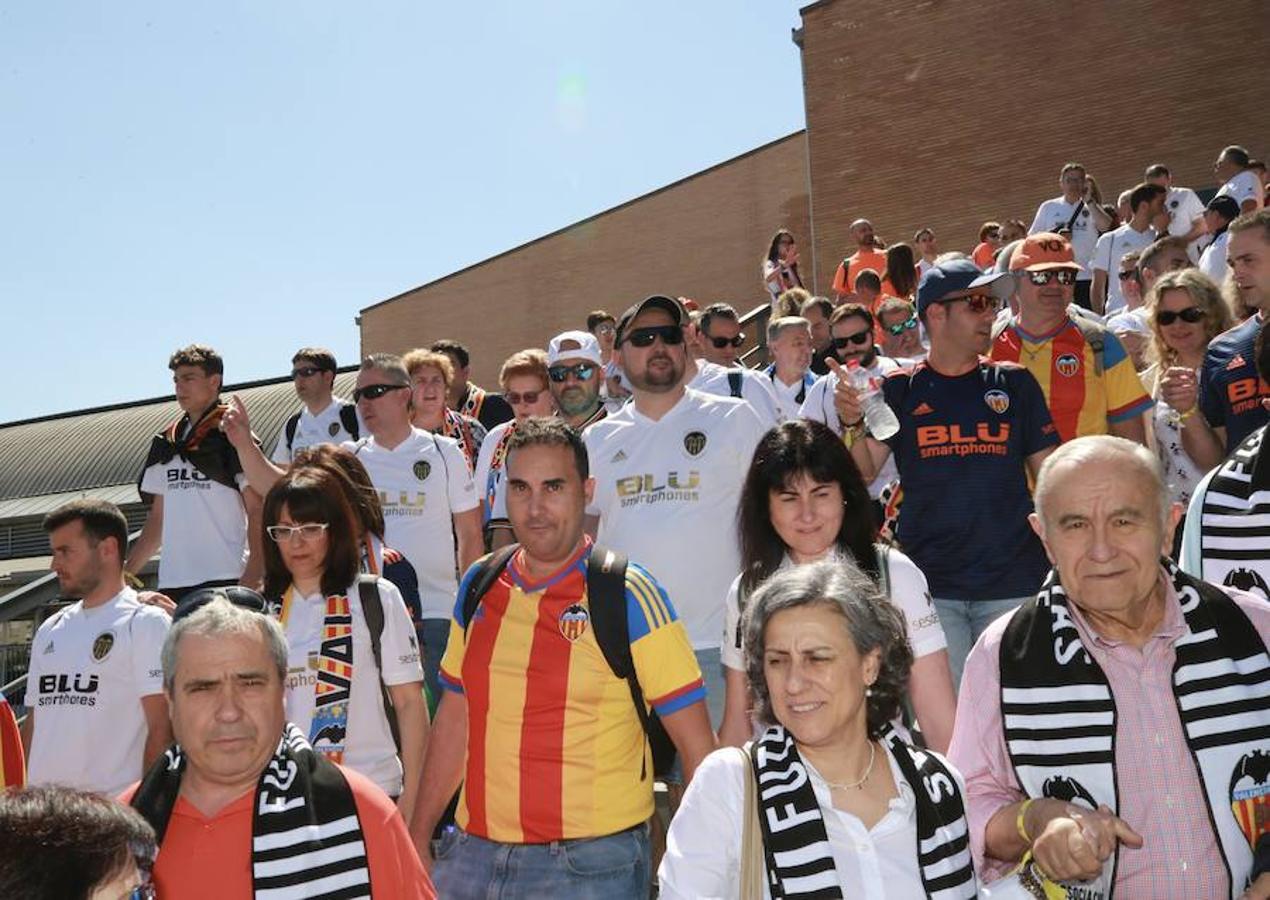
{"points": [[618, 456], [923, 409], [1235, 363], [48, 649]]}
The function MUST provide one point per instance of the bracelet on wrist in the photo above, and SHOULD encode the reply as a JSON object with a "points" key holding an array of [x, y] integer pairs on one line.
{"points": [[1020, 823]]}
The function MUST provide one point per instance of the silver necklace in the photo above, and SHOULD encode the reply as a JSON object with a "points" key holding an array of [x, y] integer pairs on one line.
{"points": [[853, 785]]}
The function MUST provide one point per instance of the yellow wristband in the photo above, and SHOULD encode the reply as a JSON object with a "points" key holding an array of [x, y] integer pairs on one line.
{"points": [[1018, 822], [1183, 416], [133, 581]]}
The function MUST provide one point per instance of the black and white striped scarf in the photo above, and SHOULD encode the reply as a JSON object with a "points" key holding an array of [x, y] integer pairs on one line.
{"points": [[1235, 528], [796, 845], [1060, 714], [306, 839]]}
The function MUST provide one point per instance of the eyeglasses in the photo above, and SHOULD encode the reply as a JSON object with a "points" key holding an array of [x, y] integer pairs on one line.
{"points": [[860, 338], [1127, 274], [305, 372], [606, 328], [721, 342], [991, 235], [580, 371], [375, 391], [1064, 276], [644, 337], [900, 327], [516, 399], [1191, 314], [310, 531], [976, 303]]}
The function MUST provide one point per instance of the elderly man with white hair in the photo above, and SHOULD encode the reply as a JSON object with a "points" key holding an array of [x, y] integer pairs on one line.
{"points": [[1113, 732]]}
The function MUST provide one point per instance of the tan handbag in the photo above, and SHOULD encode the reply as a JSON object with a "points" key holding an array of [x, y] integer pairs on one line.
{"points": [[753, 862]]}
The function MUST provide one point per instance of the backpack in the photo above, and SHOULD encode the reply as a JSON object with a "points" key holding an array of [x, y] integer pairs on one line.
{"points": [[348, 418], [606, 593], [373, 610], [1092, 331]]}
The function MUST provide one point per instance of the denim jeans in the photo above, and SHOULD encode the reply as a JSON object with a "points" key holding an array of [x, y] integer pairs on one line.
{"points": [[964, 621], [434, 633], [615, 867]]}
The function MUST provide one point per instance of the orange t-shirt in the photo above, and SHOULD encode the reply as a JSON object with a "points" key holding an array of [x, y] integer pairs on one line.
{"points": [[209, 858], [853, 265], [984, 255]]}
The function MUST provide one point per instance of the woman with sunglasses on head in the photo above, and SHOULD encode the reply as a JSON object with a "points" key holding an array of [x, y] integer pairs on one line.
{"points": [[804, 501], [341, 702], [524, 380], [1186, 311], [780, 266]]}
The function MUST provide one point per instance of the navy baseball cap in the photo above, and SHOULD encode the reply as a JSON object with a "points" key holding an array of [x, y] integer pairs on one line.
{"points": [[956, 276]]}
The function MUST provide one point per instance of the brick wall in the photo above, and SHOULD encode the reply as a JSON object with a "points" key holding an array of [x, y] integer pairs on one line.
{"points": [[703, 237], [949, 113]]}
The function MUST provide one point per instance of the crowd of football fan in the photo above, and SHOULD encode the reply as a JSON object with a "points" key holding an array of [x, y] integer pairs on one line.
{"points": [[997, 521]]}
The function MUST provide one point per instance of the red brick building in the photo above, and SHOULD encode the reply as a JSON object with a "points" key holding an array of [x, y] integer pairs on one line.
{"points": [[936, 113]]}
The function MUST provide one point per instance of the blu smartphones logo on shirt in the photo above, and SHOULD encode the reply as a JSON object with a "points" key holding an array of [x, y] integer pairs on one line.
{"points": [[635, 489]]}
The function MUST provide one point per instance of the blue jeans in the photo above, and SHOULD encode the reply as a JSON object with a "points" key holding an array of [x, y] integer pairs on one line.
{"points": [[615, 867], [434, 633], [964, 621]]}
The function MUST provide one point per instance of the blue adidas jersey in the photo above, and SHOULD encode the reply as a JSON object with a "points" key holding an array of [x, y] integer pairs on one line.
{"points": [[1229, 390], [960, 450]]}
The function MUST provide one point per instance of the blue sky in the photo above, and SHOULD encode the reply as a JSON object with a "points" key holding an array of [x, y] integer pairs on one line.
{"points": [[251, 174]]}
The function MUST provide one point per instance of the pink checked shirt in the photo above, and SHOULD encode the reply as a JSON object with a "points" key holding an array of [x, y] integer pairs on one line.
{"points": [[1160, 793]]}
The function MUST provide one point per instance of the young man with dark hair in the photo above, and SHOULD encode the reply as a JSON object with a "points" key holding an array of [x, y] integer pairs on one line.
{"points": [[1147, 203], [817, 310], [94, 691], [720, 329], [545, 810], [324, 419], [1184, 208], [488, 408], [927, 249], [719, 371], [202, 510]]}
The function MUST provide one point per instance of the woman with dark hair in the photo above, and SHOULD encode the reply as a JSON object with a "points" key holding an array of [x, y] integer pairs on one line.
{"points": [[900, 278], [830, 800], [804, 501], [58, 843], [780, 266], [312, 576]]}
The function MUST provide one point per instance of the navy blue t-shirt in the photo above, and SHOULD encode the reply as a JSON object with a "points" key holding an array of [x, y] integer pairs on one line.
{"points": [[961, 451], [1229, 390]]}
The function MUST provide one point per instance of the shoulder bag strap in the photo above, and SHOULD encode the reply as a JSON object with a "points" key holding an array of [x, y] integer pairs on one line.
{"points": [[373, 611]]}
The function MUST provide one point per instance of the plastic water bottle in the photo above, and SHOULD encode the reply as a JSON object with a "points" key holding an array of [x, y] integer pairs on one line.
{"points": [[878, 417]]}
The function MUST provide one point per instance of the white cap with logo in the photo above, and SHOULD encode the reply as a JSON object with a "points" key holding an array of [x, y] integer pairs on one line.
{"points": [[573, 345]]}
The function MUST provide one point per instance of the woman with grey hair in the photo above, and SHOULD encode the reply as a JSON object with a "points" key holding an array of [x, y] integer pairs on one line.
{"points": [[829, 801]]}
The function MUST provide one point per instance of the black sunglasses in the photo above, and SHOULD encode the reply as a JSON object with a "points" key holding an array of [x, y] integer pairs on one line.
{"points": [[1127, 274], [900, 327], [305, 372], [1064, 276], [235, 594], [1191, 314], [860, 338], [375, 391], [721, 342], [976, 303], [580, 371], [644, 337], [515, 399]]}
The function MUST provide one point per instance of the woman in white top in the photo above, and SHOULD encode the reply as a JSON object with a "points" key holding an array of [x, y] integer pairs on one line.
{"points": [[1186, 311], [780, 266], [829, 801], [803, 501], [336, 688]]}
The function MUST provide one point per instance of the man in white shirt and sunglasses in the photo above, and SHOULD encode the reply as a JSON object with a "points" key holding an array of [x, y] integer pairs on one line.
{"points": [[900, 330]]}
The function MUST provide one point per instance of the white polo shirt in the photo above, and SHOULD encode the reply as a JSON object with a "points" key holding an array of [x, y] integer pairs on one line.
{"points": [[324, 428], [756, 388], [422, 483], [667, 492], [368, 747], [1243, 187], [89, 670], [1054, 214], [1184, 207], [204, 524]]}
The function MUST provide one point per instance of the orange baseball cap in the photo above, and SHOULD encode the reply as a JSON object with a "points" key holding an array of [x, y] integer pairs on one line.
{"points": [[1043, 250]]}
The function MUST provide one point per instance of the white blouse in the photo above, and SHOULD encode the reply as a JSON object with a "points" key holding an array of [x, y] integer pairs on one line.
{"points": [[703, 846]]}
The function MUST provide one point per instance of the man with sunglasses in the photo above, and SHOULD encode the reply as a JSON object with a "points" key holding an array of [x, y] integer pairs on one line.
{"points": [[720, 333], [719, 337], [901, 331], [1087, 376], [668, 470], [324, 418], [971, 431], [432, 514], [575, 369]]}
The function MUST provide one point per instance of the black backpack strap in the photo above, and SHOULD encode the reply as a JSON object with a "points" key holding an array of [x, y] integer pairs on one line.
{"points": [[735, 384], [348, 418], [292, 424], [1094, 337], [487, 572], [373, 610]]}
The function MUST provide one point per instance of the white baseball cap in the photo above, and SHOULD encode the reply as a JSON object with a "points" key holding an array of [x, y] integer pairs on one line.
{"points": [[580, 345]]}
